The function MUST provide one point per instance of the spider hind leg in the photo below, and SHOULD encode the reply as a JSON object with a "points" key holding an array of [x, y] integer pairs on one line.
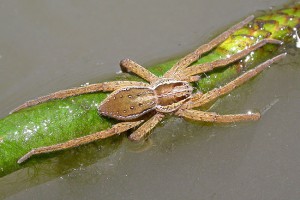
{"points": [[115, 129]]}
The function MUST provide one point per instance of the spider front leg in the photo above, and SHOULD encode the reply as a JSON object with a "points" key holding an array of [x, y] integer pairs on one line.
{"points": [[128, 65], [104, 87], [205, 67], [200, 99], [192, 57], [146, 127], [116, 129]]}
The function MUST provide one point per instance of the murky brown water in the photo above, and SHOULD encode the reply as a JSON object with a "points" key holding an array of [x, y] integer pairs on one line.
{"points": [[46, 46]]}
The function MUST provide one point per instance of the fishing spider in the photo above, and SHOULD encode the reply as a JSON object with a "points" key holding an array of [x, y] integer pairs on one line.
{"points": [[170, 94]]}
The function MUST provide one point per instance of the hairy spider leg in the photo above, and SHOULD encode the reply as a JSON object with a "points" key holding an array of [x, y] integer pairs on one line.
{"points": [[128, 65], [199, 115], [205, 67], [146, 127], [114, 130], [200, 99], [195, 55]]}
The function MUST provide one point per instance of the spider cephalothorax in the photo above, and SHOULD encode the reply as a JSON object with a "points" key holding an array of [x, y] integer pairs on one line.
{"points": [[172, 93]]}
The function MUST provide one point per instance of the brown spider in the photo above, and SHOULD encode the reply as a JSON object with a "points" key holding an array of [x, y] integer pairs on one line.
{"points": [[171, 93]]}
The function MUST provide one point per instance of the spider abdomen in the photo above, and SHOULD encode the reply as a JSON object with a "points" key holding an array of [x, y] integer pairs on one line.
{"points": [[129, 103]]}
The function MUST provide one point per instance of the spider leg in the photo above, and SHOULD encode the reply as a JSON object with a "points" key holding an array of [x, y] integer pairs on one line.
{"points": [[200, 99], [105, 87], [192, 57], [214, 117], [190, 79], [128, 65], [146, 127], [116, 129], [205, 67]]}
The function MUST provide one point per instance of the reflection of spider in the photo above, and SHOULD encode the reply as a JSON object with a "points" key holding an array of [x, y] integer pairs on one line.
{"points": [[172, 93]]}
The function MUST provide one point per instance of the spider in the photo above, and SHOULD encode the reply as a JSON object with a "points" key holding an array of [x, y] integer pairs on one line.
{"points": [[169, 94]]}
